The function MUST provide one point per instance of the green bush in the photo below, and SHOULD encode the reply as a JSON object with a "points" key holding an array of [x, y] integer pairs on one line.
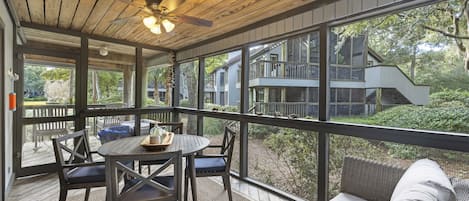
{"points": [[213, 126], [450, 119], [260, 131], [448, 98], [186, 103], [224, 108]]}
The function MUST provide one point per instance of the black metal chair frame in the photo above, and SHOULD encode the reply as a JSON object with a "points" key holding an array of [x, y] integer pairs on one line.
{"points": [[75, 160], [226, 152], [176, 127], [114, 166]]}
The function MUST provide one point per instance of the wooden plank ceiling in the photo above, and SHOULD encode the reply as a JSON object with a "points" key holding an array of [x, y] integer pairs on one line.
{"points": [[96, 16]]}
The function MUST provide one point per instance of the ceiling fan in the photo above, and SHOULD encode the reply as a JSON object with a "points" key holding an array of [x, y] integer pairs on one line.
{"points": [[159, 16]]}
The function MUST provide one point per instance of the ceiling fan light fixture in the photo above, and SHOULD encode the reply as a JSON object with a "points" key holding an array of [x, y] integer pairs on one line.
{"points": [[168, 25], [149, 22], [156, 29]]}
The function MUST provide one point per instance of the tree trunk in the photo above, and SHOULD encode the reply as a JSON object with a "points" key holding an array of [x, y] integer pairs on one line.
{"points": [[378, 101], [413, 62], [156, 93], [168, 85], [94, 86]]}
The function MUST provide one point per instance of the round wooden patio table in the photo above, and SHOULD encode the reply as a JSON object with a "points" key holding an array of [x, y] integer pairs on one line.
{"points": [[188, 144]]}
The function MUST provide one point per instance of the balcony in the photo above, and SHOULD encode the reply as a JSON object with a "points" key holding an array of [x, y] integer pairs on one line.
{"points": [[283, 70]]}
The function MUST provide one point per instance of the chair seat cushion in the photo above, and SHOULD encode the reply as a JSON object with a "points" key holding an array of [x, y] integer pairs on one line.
{"points": [[147, 192], [346, 197], [203, 165], [87, 174]]}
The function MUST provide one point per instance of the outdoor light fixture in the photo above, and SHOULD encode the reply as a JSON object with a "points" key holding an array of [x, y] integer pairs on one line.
{"points": [[168, 25], [149, 22], [155, 25], [156, 29], [103, 51]]}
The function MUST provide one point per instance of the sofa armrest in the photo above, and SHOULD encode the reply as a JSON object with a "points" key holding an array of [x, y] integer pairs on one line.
{"points": [[368, 179]]}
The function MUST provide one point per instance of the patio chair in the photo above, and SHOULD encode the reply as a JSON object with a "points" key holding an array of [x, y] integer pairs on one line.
{"points": [[215, 164], [156, 186], [79, 170], [175, 127], [50, 128]]}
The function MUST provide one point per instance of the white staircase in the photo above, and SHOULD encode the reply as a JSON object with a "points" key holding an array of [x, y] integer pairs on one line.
{"points": [[393, 77]]}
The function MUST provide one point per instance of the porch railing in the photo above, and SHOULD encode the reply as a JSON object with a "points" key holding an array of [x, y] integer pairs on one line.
{"points": [[283, 70], [299, 109]]}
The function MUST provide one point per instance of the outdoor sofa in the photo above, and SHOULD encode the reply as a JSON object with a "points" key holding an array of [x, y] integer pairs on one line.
{"points": [[372, 181]]}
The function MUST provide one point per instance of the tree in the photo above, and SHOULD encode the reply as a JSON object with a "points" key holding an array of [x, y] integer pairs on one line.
{"points": [[156, 77], [400, 38], [34, 83]]}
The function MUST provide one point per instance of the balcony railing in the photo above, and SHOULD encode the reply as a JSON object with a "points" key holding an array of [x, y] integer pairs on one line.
{"points": [[283, 70], [299, 109]]}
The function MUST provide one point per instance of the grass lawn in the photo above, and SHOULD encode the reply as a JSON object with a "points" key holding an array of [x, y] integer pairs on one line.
{"points": [[26, 103]]}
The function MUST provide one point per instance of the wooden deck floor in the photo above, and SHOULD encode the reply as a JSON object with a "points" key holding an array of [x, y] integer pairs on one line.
{"points": [[46, 188]]}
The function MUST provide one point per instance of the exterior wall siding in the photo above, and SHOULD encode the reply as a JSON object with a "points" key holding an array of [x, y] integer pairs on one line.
{"points": [[331, 12]]}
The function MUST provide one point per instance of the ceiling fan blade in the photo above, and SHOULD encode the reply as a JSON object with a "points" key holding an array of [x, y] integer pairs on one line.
{"points": [[133, 19], [138, 4], [171, 4], [194, 20]]}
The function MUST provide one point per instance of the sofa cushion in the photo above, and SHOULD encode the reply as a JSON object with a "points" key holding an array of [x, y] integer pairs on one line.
{"points": [[347, 197], [418, 192], [461, 187], [427, 178]]}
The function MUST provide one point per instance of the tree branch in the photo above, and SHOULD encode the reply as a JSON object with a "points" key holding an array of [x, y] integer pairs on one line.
{"points": [[444, 33], [463, 9]]}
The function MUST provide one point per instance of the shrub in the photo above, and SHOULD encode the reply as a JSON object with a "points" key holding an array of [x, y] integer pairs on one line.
{"points": [[260, 131], [36, 99], [451, 119], [448, 98], [213, 126]]}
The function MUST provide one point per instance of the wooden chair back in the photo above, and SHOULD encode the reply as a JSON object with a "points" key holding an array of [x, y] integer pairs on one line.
{"points": [[69, 154], [175, 127], [116, 166], [227, 146]]}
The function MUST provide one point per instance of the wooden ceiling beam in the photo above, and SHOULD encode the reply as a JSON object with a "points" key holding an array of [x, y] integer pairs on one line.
{"points": [[92, 36]]}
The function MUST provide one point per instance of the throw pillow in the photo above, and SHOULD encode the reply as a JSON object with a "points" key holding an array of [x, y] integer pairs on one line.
{"points": [[425, 173]]}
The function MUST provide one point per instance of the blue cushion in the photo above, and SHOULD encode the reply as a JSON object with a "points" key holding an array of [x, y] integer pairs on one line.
{"points": [[147, 192], [210, 164], [114, 133], [87, 174]]}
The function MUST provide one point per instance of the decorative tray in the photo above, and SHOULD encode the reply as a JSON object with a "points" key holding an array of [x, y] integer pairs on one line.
{"points": [[166, 141]]}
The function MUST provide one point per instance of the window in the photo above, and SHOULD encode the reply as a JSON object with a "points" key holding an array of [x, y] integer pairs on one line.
{"points": [[280, 84], [224, 68], [49, 86], [222, 79], [111, 75], [157, 79], [189, 74]]}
